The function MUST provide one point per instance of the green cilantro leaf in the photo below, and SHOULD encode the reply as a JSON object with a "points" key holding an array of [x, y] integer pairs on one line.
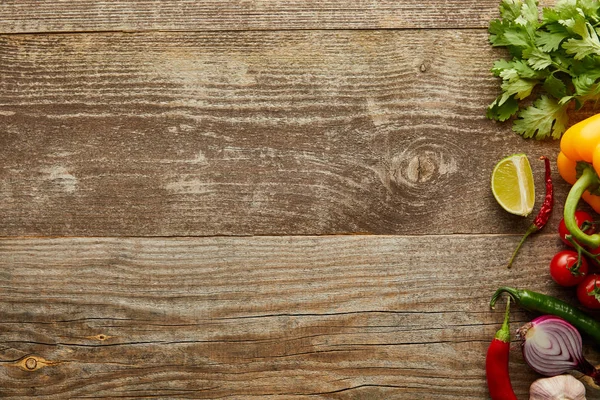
{"points": [[514, 69], [588, 66], [510, 9], [550, 16], [588, 44], [555, 87], [590, 9], [587, 87], [537, 58], [520, 88], [563, 62], [502, 112], [566, 8], [501, 65], [529, 13], [545, 118], [496, 30], [517, 35], [549, 41]]}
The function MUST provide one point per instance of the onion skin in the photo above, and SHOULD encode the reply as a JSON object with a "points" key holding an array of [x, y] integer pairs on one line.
{"points": [[552, 346]]}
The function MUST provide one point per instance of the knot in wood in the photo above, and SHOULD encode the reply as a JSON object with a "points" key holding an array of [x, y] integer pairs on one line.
{"points": [[423, 168], [31, 363]]}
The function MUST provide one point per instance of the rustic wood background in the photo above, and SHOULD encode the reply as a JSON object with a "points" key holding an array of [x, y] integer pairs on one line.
{"points": [[256, 199]]}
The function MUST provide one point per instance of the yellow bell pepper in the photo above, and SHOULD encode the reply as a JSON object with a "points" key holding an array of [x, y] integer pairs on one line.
{"points": [[578, 163]]}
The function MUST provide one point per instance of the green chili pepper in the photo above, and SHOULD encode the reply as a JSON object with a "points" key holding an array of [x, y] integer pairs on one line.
{"points": [[545, 304]]}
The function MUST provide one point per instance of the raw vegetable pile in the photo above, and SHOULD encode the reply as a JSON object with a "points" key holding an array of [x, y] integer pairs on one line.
{"points": [[554, 68]]}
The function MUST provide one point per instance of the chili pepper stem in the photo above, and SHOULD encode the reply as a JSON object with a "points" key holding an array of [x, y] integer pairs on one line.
{"points": [[587, 178], [497, 362], [532, 229], [512, 292], [544, 214], [504, 331]]}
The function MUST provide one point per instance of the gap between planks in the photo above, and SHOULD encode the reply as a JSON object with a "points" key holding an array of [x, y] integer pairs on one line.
{"points": [[234, 31]]}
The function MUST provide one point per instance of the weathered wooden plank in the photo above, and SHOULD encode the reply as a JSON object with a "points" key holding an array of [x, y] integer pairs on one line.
{"points": [[19, 16], [252, 133], [297, 317]]}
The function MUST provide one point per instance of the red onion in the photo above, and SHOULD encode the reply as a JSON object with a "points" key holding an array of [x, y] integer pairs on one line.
{"points": [[552, 346]]}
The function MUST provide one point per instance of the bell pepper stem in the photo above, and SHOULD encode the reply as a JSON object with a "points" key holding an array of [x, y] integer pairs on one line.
{"points": [[588, 178]]}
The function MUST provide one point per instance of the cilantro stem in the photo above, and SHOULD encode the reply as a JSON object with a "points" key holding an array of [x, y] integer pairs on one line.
{"points": [[562, 69]]}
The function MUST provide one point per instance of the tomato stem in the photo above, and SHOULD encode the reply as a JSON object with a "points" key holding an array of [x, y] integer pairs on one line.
{"points": [[596, 291], [580, 252], [574, 270]]}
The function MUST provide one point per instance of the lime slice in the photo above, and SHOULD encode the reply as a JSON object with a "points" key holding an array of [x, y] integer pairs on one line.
{"points": [[512, 184]]}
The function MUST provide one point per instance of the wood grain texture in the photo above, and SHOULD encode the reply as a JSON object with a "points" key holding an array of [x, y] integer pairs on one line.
{"points": [[270, 317], [21, 16], [137, 125], [252, 133]]}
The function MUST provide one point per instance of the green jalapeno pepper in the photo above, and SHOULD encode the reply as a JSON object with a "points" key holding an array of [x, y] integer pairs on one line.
{"points": [[545, 304]]}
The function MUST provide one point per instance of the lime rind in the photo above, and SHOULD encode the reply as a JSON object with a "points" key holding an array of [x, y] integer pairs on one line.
{"points": [[513, 186]]}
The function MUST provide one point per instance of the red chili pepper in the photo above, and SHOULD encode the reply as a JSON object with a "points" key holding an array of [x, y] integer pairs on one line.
{"points": [[543, 215], [496, 363]]}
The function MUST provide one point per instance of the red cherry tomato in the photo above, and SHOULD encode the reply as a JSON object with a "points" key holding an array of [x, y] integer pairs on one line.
{"points": [[580, 218], [564, 270], [588, 291], [595, 260]]}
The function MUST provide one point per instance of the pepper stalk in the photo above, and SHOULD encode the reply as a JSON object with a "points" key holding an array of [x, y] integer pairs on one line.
{"points": [[579, 164], [588, 179]]}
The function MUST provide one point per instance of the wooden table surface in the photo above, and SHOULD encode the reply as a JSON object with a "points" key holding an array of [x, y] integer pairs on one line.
{"points": [[252, 199]]}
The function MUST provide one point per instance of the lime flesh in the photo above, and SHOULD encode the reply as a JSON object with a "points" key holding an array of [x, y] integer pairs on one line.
{"points": [[513, 186]]}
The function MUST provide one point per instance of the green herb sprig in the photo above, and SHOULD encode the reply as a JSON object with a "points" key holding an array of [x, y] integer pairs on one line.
{"points": [[555, 63]]}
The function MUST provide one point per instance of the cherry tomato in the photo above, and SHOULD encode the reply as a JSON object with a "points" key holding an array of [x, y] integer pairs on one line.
{"points": [[580, 218], [563, 268], [588, 291], [595, 260]]}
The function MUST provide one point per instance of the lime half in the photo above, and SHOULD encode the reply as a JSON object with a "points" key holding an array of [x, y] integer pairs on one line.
{"points": [[512, 184]]}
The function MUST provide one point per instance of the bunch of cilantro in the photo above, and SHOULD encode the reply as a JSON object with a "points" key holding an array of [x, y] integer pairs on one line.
{"points": [[555, 62]]}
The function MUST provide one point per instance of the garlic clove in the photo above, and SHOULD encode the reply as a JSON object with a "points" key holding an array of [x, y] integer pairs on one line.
{"points": [[560, 387]]}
